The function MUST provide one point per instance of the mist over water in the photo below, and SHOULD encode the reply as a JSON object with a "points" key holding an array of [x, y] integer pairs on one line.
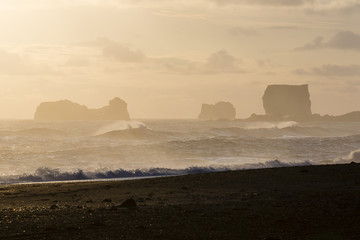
{"points": [[73, 150]]}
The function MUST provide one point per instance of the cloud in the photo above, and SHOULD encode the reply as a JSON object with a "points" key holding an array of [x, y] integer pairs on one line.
{"points": [[177, 14], [309, 6], [236, 31], [339, 6], [217, 63], [345, 40], [264, 2], [285, 27], [351, 9], [264, 63], [220, 62], [76, 61], [318, 42], [331, 70], [177, 65], [13, 64], [121, 53], [115, 51]]}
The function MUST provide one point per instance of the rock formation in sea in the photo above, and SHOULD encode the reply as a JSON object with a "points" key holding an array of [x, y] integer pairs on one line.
{"points": [[218, 111], [67, 110], [292, 102], [287, 102], [348, 117]]}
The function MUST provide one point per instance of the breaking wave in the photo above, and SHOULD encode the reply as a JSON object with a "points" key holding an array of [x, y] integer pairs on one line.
{"points": [[295, 131], [138, 130], [279, 125], [128, 130], [32, 151], [121, 126], [290, 129], [353, 156], [127, 133], [49, 175]]}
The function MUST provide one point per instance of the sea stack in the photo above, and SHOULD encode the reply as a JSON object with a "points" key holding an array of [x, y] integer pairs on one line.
{"points": [[218, 111], [287, 102], [67, 110]]}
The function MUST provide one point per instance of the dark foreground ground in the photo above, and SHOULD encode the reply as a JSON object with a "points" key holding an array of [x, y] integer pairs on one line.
{"points": [[315, 202]]}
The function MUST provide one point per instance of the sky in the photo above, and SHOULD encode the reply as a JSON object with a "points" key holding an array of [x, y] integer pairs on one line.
{"points": [[167, 57]]}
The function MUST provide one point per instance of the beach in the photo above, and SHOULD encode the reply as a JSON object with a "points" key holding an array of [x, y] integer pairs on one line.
{"points": [[306, 202]]}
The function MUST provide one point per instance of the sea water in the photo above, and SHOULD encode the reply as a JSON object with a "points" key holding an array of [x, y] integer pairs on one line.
{"points": [[37, 151]]}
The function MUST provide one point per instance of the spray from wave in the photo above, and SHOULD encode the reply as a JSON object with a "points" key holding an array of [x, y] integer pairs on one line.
{"points": [[272, 130], [120, 126], [353, 156], [265, 125]]}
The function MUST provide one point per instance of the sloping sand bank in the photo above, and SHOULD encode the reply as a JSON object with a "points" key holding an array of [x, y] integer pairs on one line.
{"points": [[312, 202]]}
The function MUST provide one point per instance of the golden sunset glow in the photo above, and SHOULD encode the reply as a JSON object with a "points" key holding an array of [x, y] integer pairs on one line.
{"points": [[180, 119], [166, 58]]}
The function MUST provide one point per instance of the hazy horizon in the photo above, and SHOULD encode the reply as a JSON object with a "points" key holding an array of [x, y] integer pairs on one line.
{"points": [[167, 57]]}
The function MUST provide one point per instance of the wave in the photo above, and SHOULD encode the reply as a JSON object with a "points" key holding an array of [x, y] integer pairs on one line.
{"points": [[286, 131], [138, 130], [264, 125], [355, 137], [127, 133], [41, 132], [128, 130], [120, 126], [353, 156], [34, 132], [49, 175], [294, 130], [138, 133]]}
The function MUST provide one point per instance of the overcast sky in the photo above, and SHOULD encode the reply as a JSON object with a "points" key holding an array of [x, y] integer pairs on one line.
{"points": [[167, 57]]}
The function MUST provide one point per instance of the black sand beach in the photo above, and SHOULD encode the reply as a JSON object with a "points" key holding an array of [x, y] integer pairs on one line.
{"points": [[312, 202]]}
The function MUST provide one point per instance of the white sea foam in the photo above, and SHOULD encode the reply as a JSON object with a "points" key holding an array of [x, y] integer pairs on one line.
{"points": [[120, 125], [354, 156], [279, 125], [47, 174], [67, 150]]}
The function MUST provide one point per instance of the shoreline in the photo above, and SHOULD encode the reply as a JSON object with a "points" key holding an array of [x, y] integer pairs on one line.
{"points": [[301, 202], [181, 172], [86, 180]]}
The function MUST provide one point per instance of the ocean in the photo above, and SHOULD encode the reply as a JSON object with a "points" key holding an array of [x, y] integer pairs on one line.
{"points": [[40, 151]]}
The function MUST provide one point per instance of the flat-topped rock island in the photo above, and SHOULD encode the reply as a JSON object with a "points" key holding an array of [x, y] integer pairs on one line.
{"points": [[67, 110], [218, 111]]}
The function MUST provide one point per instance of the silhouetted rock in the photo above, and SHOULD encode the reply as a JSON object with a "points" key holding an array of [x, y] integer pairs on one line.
{"points": [[67, 110], [258, 118], [290, 102], [54, 207], [218, 111], [128, 203], [349, 117]]}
